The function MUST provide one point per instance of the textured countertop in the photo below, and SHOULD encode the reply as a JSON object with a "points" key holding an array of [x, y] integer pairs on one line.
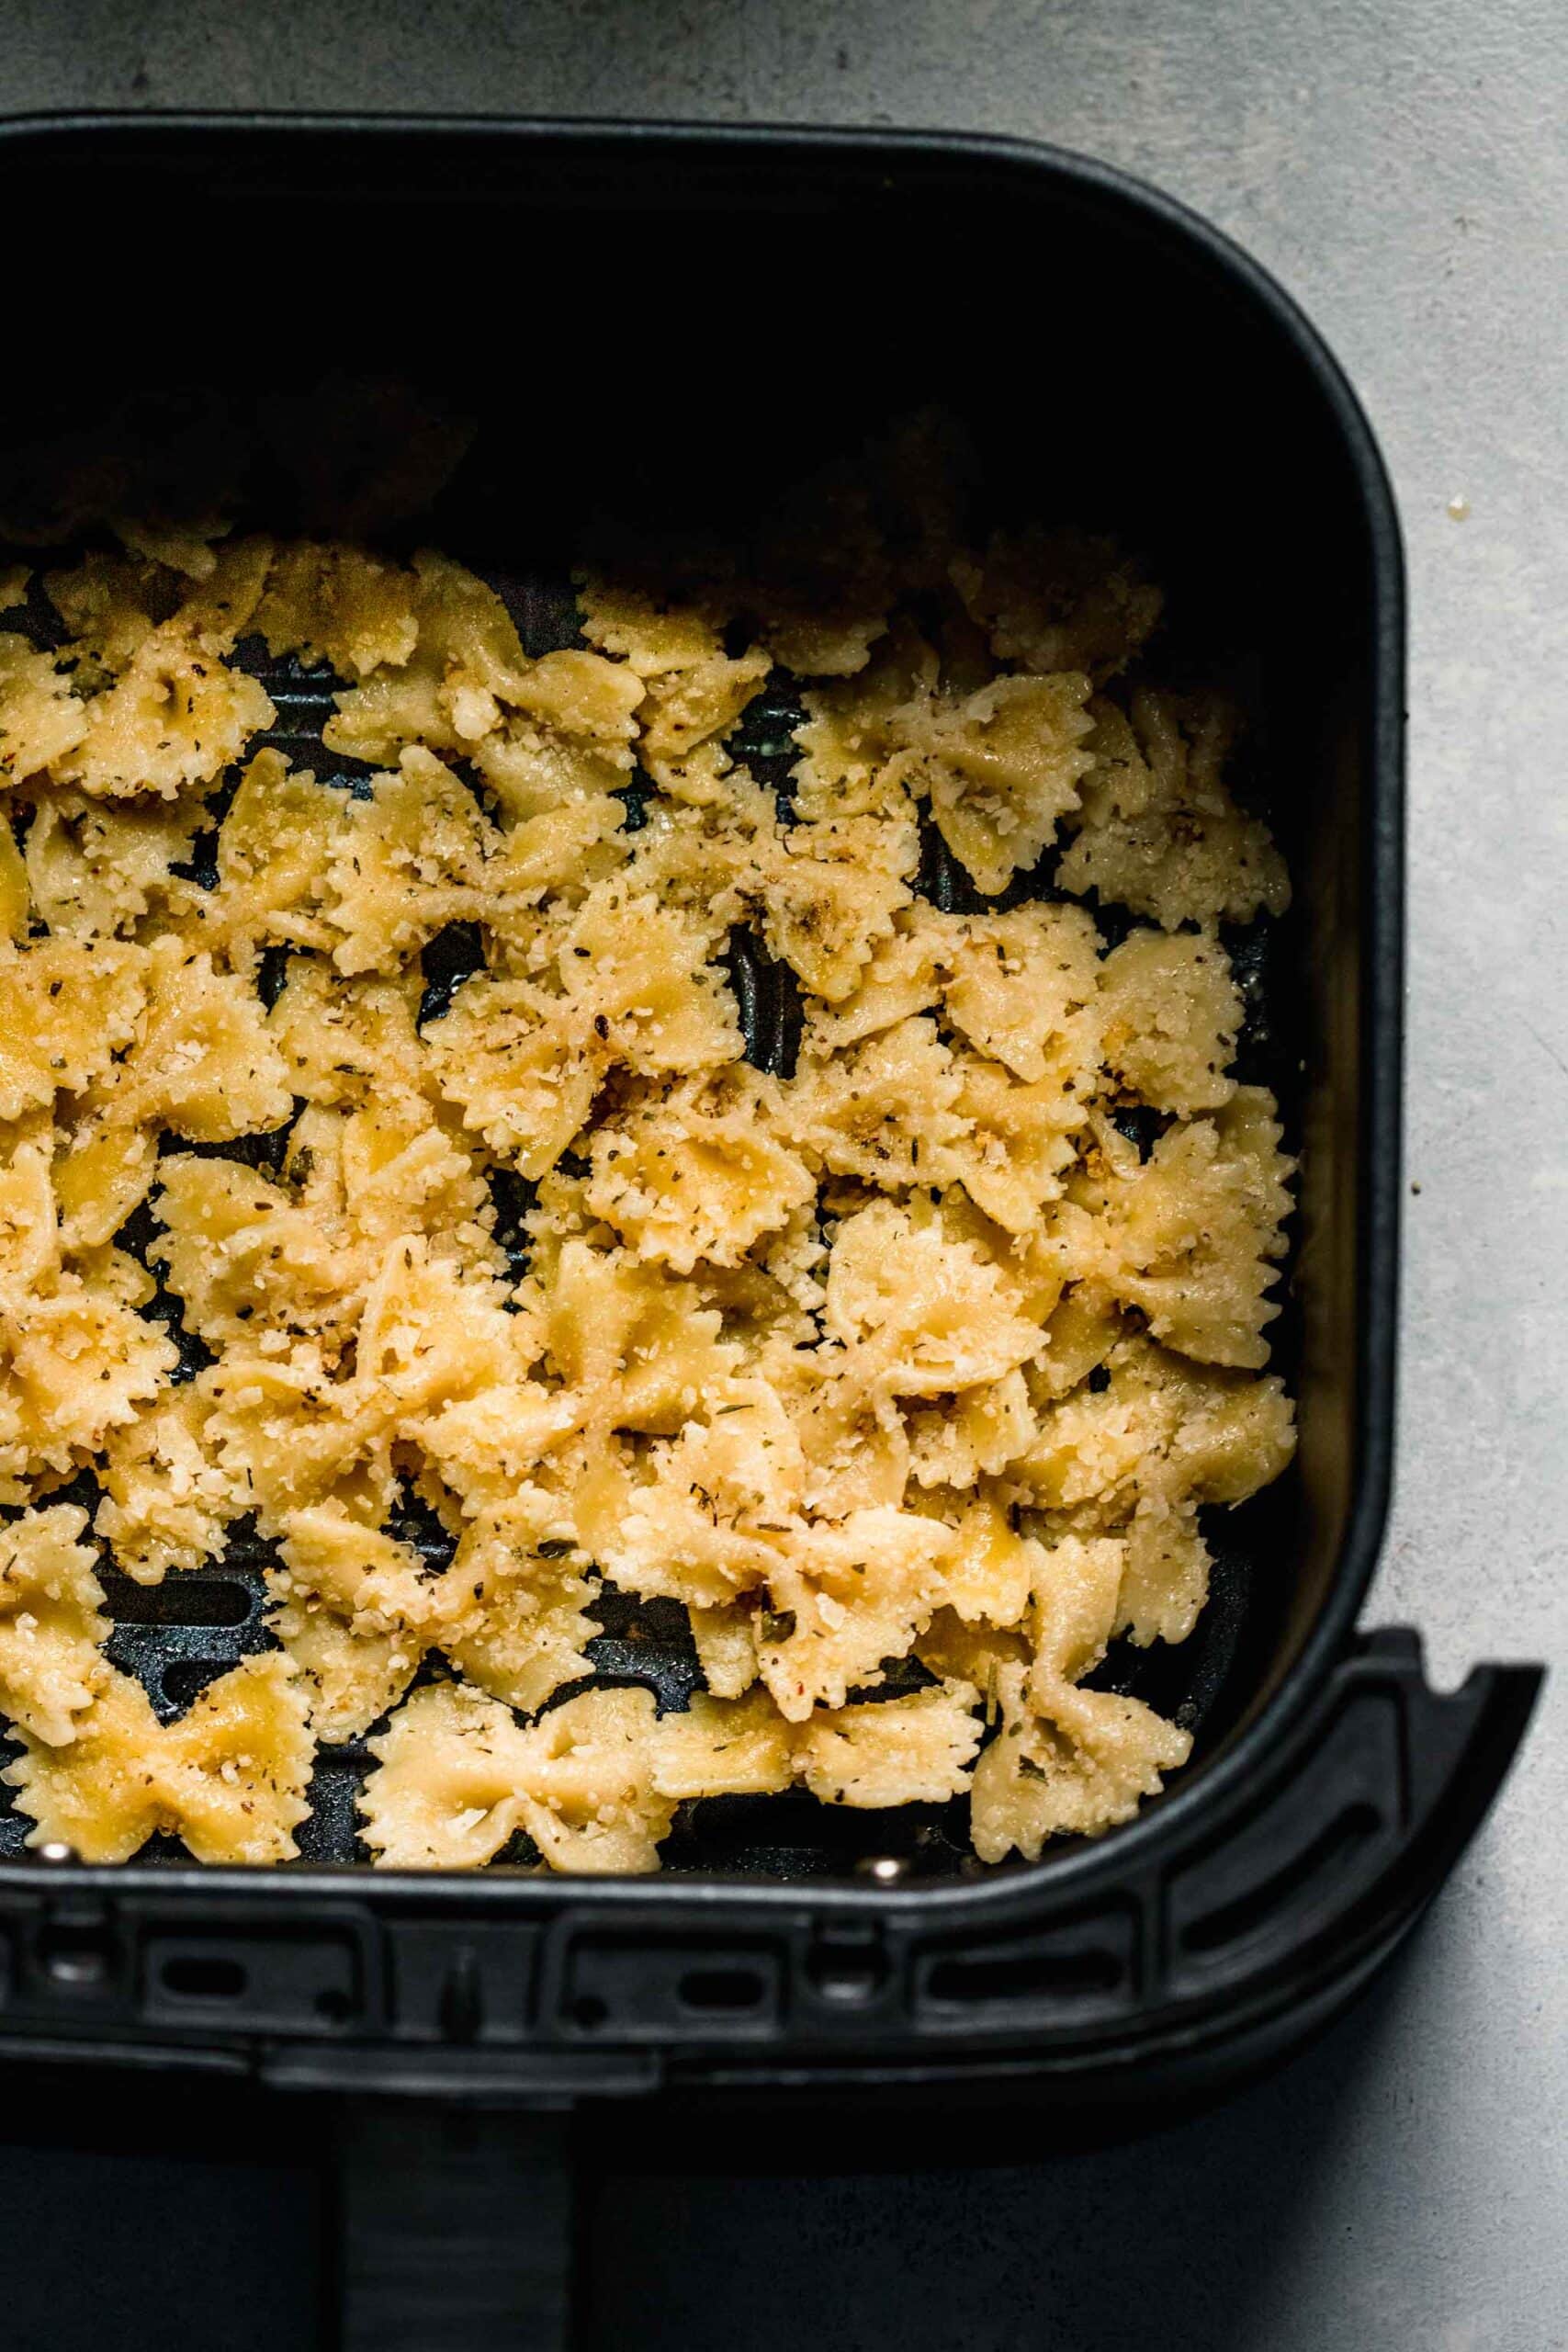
{"points": [[1404, 170]]}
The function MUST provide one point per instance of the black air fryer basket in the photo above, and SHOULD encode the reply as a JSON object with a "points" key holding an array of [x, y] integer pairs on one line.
{"points": [[741, 303]]}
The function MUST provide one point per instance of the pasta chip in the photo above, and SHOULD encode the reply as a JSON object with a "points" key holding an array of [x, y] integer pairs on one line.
{"points": [[1002, 767], [96, 868], [698, 1171], [1058, 599], [457, 1778], [917, 1751], [1170, 1013], [1192, 1237], [905, 1361], [229, 1778], [1158, 831], [165, 1501], [52, 1628]]}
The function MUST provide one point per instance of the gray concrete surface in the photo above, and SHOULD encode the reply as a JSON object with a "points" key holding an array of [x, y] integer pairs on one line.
{"points": [[1403, 168]]}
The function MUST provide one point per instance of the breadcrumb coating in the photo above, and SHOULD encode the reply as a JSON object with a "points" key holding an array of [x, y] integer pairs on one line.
{"points": [[900, 1364]]}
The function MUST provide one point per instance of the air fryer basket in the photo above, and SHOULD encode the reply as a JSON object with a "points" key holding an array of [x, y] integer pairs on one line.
{"points": [[685, 319]]}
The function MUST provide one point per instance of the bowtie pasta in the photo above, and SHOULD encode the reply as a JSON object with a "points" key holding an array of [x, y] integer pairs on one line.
{"points": [[906, 1365]]}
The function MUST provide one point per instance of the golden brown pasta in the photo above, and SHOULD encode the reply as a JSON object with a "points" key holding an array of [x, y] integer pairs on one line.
{"points": [[898, 1367]]}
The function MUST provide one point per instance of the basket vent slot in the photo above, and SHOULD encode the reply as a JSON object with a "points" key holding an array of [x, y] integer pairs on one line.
{"points": [[1026, 1976], [203, 1976], [722, 1989], [631, 1989]]}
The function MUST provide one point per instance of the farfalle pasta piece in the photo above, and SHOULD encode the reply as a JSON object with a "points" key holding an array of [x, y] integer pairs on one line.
{"points": [[955, 1650], [52, 1628], [1192, 1237], [338, 605], [360, 1179], [654, 638], [96, 867], [165, 1502], [535, 728], [554, 857], [390, 1168], [886, 1111], [641, 1348], [110, 603], [350, 1040], [551, 791], [1022, 988], [15, 896], [1068, 1760], [512, 1621], [831, 889], [457, 1778], [1224, 1433], [845, 1598], [1076, 1772], [716, 1507], [638, 973], [81, 1360], [957, 1440], [698, 1170], [274, 849], [431, 1332], [42, 718], [1139, 1454], [355, 1610], [286, 1434], [447, 1791], [692, 690], [29, 1233], [404, 862], [1058, 599], [572, 698], [490, 1448], [592, 1804], [684, 715], [173, 719], [519, 1064], [913, 1750], [240, 1250], [1170, 1011], [992, 1568], [725, 1638], [720, 1747], [102, 1172], [444, 691], [1157, 831], [1081, 1330], [202, 1064], [1015, 1144], [854, 1437], [229, 1778], [633, 987], [74, 1004], [1002, 767], [928, 1313], [709, 861], [850, 740]]}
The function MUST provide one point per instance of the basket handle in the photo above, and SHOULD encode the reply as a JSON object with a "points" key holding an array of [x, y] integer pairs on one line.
{"points": [[456, 2227]]}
